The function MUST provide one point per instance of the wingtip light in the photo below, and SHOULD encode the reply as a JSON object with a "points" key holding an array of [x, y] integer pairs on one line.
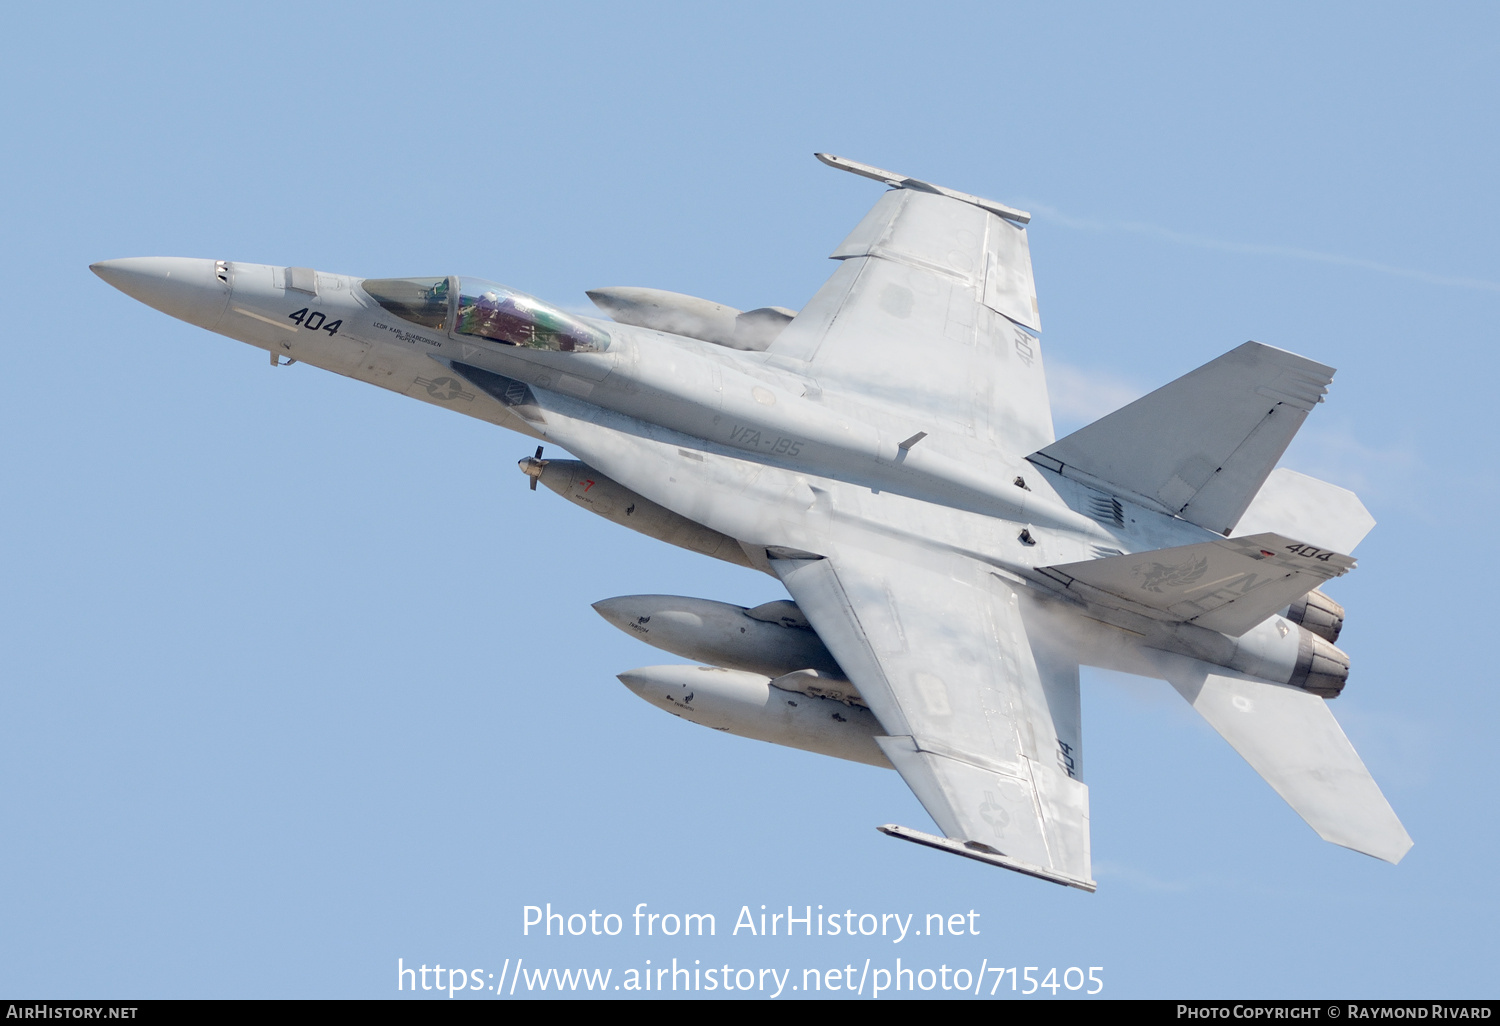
{"points": [[899, 181]]}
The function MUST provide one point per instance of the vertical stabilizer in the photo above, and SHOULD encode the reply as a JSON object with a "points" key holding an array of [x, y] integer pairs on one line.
{"points": [[1304, 507], [1201, 446]]}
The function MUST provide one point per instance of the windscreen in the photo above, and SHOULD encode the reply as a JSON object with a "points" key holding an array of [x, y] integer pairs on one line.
{"points": [[422, 301]]}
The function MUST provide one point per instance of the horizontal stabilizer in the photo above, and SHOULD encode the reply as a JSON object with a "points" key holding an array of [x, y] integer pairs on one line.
{"points": [[1303, 507], [1227, 586], [1292, 740], [1201, 446]]}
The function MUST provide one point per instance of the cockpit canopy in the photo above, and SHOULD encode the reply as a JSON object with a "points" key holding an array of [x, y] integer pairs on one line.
{"points": [[482, 309]]}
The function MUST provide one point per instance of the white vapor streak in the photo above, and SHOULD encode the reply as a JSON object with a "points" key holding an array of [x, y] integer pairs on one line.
{"points": [[1292, 252]]}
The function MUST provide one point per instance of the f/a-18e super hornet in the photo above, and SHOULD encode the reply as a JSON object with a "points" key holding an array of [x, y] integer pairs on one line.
{"points": [[888, 454]]}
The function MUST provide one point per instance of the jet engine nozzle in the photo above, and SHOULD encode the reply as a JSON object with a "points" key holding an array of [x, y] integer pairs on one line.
{"points": [[1321, 668], [1319, 614]]}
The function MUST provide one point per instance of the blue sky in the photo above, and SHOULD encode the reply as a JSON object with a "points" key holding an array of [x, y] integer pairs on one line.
{"points": [[297, 678]]}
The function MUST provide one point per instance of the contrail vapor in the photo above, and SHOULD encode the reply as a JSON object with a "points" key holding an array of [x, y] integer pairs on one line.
{"points": [[1292, 252]]}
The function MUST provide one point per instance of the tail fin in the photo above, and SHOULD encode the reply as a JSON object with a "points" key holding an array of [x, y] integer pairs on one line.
{"points": [[1201, 446], [1303, 507]]}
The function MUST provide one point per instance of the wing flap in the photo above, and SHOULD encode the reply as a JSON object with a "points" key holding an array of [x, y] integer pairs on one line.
{"points": [[1292, 740], [942, 658], [1227, 586], [1009, 287]]}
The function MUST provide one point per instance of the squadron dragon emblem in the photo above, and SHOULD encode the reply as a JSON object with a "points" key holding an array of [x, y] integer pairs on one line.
{"points": [[1156, 576]]}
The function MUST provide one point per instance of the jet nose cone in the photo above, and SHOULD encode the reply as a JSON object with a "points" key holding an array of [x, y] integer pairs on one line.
{"points": [[186, 288], [618, 611], [635, 681]]}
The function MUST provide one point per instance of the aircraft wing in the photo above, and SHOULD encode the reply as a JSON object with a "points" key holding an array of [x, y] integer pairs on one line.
{"points": [[933, 310], [982, 730]]}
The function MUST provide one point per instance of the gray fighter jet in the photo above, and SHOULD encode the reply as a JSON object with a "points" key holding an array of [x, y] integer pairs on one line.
{"points": [[888, 454]]}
